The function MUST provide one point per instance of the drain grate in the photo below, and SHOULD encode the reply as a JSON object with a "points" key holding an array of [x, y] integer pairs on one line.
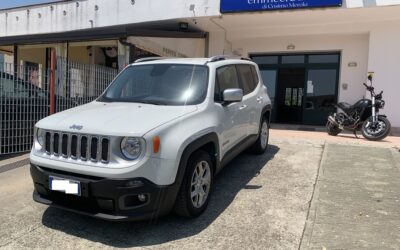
{"points": [[14, 165]]}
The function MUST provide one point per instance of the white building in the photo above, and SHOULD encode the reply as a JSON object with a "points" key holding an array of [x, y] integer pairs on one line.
{"points": [[311, 52]]}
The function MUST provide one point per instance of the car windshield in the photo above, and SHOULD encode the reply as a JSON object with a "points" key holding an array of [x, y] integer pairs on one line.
{"points": [[159, 84]]}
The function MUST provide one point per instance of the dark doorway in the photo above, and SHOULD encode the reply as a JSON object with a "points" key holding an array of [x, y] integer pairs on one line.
{"points": [[290, 95]]}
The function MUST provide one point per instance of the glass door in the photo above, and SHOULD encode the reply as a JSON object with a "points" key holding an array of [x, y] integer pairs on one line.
{"points": [[289, 94]]}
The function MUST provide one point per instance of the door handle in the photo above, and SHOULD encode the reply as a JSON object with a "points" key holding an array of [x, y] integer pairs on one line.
{"points": [[259, 99], [243, 107]]}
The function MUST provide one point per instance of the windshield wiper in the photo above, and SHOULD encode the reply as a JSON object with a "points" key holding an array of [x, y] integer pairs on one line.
{"points": [[150, 102]]}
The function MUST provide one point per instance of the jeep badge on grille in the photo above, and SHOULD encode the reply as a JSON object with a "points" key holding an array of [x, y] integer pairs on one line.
{"points": [[76, 127]]}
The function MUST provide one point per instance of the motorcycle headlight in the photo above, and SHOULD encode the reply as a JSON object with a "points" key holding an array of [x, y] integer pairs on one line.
{"points": [[132, 147], [40, 136]]}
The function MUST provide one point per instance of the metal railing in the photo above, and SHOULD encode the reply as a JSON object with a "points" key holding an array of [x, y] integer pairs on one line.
{"points": [[25, 97]]}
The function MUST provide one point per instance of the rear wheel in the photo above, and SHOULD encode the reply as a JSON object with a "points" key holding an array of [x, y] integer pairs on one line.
{"points": [[378, 131], [195, 190], [332, 129], [260, 146]]}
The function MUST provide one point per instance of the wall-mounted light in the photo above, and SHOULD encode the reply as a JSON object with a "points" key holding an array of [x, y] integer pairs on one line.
{"points": [[345, 86], [96, 7], [52, 8], [64, 12], [352, 64], [77, 4], [291, 47], [39, 15]]}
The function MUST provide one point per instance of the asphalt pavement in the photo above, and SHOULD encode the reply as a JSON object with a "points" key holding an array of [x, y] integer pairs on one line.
{"points": [[298, 195]]}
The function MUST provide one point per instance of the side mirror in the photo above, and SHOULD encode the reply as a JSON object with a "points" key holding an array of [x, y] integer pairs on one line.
{"points": [[232, 95]]}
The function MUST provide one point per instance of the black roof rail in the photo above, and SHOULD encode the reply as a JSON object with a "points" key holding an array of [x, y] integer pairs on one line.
{"points": [[225, 57], [149, 59]]}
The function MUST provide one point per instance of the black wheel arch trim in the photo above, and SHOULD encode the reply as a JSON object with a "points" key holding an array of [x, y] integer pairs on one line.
{"points": [[188, 151], [194, 146], [267, 108]]}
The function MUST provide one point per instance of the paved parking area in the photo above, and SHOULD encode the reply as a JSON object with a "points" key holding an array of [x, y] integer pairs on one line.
{"points": [[259, 202]]}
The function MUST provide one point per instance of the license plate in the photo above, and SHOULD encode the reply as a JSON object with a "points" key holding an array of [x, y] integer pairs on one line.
{"points": [[65, 186]]}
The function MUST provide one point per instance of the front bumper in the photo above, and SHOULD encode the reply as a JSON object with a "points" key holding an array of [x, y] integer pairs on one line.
{"points": [[110, 199]]}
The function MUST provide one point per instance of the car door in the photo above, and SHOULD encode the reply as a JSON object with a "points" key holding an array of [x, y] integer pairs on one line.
{"points": [[250, 105], [230, 115]]}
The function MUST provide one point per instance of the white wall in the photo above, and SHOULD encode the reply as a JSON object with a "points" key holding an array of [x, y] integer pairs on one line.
{"points": [[384, 60], [170, 47], [82, 14]]}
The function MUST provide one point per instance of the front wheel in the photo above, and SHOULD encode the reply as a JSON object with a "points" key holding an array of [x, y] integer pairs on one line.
{"points": [[378, 131], [195, 190]]}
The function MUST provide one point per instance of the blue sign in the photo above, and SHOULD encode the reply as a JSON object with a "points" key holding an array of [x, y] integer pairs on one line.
{"points": [[230, 6]]}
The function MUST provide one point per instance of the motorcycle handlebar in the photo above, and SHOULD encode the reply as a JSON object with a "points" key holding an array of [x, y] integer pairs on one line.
{"points": [[369, 88]]}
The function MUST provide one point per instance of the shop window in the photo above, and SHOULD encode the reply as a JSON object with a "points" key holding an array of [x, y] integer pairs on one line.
{"points": [[265, 59], [323, 59], [293, 59]]}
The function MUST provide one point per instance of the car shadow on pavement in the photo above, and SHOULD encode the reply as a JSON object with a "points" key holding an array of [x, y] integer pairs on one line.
{"points": [[232, 179]]}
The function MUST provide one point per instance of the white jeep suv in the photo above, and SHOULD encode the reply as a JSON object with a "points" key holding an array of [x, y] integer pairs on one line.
{"points": [[153, 141]]}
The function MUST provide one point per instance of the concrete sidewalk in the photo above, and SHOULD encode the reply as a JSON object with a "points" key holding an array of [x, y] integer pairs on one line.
{"points": [[356, 200]]}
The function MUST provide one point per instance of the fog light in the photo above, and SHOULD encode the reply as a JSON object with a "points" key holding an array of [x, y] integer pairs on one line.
{"points": [[142, 197]]}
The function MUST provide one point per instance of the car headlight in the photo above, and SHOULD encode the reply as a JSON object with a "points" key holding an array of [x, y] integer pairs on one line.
{"points": [[40, 136], [131, 147]]}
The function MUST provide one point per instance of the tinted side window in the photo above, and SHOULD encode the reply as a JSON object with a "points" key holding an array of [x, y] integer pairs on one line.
{"points": [[246, 77], [255, 75], [227, 78]]}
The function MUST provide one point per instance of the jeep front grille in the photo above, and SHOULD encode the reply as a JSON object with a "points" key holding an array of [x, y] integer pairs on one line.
{"points": [[77, 146]]}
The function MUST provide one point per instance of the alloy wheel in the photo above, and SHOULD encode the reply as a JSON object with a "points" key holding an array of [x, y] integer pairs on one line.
{"points": [[200, 184]]}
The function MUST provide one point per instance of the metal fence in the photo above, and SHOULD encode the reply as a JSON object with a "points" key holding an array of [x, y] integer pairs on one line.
{"points": [[25, 97]]}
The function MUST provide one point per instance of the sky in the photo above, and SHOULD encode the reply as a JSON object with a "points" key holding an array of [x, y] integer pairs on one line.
{"points": [[5, 4]]}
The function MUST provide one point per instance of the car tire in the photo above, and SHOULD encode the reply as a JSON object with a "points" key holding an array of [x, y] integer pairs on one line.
{"points": [[195, 190], [261, 145]]}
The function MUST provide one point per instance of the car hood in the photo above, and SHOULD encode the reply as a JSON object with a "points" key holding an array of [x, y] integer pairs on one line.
{"points": [[118, 119]]}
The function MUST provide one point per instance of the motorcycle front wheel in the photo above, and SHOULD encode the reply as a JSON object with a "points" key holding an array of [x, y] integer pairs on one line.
{"points": [[376, 132]]}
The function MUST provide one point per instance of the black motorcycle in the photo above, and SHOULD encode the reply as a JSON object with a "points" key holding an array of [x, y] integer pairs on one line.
{"points": [[363, 115]]}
